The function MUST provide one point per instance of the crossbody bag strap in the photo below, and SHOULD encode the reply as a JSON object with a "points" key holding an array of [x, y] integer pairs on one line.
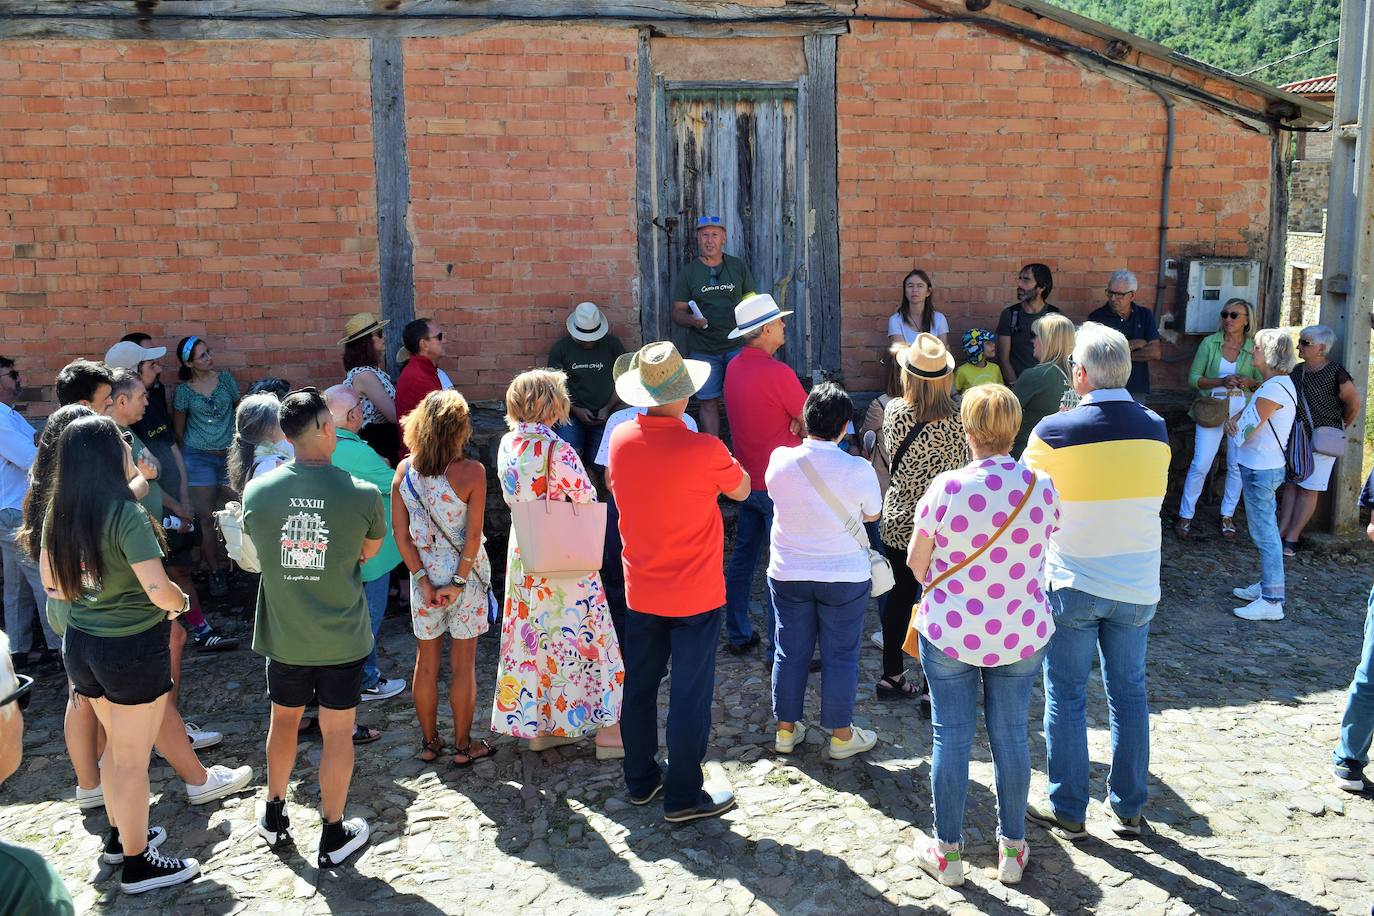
{"points": [[903, 446], [1275, 433], [986, 544], [856, 531], [434, 521]]}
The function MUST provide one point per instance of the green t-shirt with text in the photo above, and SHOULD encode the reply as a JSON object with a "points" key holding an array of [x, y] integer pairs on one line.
{"points": [[590, 382], [120, 607], [308, 523], [716, 291], [153, 501]]}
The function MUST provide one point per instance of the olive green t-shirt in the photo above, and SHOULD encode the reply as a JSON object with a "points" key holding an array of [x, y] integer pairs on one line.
{"points": [[120, 607], [716, 291], [29, 886], [153, 501], [590, 382], [308, 523]]}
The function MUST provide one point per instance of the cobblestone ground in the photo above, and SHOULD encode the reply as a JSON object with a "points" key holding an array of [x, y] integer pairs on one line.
{"points": [[1245, 817]]}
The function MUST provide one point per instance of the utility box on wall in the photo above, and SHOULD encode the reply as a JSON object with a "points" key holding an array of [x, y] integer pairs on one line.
{"points": [[1208, 284]]}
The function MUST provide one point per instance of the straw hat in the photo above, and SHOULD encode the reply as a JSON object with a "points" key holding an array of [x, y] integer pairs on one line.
{"points": [[927, 357], [658, 375], [754, 311], [587, 323], [361, 325]]}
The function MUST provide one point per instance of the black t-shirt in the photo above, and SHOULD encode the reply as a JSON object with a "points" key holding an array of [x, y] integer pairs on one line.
{"points": [[1322, 391], [155, 429], [1016, 324]]}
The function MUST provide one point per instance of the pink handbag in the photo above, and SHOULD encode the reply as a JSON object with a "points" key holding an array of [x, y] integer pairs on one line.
{"points": [[557, 537]]}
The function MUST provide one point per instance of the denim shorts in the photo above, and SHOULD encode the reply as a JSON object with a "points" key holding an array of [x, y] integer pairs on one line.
{"points": [[332, 686], [128, 670], [714, 386], [205, 469]]}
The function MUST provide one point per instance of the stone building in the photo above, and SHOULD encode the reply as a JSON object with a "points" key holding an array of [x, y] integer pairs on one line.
{"points": [[1309, 182]]}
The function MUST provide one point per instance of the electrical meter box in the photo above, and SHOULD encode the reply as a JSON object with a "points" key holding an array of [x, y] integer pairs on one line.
{"points": [[1209, 283]]}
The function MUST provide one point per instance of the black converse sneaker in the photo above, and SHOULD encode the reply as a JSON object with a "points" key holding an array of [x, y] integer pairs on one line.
{"points": [[274, 826], [114, 850], [153, 870], [340, 839]]}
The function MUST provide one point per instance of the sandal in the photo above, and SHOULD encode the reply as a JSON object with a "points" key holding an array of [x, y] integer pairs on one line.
{"points": [[898, 688], [431, 749], [1228, 527], [364, 735], [1183, 527], [466, 751]]}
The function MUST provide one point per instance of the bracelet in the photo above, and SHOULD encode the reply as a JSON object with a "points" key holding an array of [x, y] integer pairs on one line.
{"points": [[473, 559], [185, 603]]}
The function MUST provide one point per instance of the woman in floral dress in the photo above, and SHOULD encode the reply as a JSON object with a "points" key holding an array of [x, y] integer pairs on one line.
{"points": [[560, 675]]}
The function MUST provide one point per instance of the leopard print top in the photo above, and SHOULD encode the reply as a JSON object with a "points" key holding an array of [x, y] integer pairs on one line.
{"points": [[938, 448]]}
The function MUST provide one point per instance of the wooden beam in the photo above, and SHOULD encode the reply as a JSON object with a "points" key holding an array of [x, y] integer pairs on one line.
{"points": [[228, 19], [822, 220], [645, 198], [395, 252]]}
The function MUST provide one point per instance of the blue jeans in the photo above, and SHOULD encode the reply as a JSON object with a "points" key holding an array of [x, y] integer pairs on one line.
{"points": [[834, 612], [376, 593], [584, 439], [24, 594], [650, 641], [1118, 633], [754, 521], [613, 569], [1262, 518], [953, 718], [1357, 725], [714, 386]]}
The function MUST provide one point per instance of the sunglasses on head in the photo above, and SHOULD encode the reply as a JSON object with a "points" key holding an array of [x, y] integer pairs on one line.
{"points": [[1233, 315], [22, 694]]}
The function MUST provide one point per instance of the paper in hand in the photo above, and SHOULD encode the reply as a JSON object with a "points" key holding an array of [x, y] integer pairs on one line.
{"points": [[696, 312]]}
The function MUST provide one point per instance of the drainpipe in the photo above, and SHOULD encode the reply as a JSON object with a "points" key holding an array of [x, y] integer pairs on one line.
{"points": [[1164, 195]]}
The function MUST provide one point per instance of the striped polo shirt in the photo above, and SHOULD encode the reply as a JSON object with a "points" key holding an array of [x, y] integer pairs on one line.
{"points": [[1109, 460]]}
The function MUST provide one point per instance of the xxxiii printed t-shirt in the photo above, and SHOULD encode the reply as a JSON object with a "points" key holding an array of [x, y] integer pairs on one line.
{"points": [[308, 523], [716, 291], [590, 383], [120, 607]]}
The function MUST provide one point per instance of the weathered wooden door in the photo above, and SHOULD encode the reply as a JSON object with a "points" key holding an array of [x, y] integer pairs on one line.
{"points": [[732, 152]]}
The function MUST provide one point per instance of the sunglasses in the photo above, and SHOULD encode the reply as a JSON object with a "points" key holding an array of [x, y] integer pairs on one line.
{"points": [[14, 375], [1232, 315], [439, 336], [1113, 294], [1303, 342], [22, 695]]}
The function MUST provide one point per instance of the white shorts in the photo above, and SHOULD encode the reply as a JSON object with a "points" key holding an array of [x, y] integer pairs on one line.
{"points": [[1320, 477], [465, 618]]}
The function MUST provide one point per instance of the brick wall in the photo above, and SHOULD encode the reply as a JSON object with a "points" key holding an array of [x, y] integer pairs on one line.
{"points": [[970, 154], [217, 188], [522, 170]]}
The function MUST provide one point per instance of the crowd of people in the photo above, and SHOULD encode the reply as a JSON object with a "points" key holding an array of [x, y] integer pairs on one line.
{"points": [[970, 502]]}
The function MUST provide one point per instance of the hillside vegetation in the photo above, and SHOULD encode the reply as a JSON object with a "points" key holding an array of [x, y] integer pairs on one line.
{"points": [[1235, 35]]}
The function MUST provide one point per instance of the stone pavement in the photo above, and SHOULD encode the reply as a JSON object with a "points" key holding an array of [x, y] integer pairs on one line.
{"points": [[1245, 817]]}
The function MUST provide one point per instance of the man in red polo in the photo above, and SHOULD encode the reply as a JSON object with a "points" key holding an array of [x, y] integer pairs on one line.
{"points": [[425, 342], [763, 400], [665, 479]]}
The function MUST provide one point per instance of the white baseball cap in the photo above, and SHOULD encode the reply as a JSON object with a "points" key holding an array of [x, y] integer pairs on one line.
{"points": [[127, 355]]}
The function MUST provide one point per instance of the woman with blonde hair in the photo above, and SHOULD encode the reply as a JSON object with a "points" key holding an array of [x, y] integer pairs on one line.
{"points": [[923, 434], [438, 498], [1041, 388], [560, 674]]}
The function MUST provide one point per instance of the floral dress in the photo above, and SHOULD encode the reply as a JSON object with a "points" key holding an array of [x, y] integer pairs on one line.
{"points": [[560, 671], [431, 502]]}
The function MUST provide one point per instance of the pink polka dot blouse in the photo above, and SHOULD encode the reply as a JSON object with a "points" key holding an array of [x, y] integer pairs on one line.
{"points": [[993, 611]]}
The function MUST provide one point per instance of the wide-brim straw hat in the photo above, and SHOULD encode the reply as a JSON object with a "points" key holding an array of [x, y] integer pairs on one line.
{"points": [[587, 323], [657, 375], [927, 357], [361, 325]]}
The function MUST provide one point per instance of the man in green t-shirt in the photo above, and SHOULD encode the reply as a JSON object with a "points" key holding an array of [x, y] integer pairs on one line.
{"points": [[28, 885], [587, 354], [314, 525], [714, 282]]}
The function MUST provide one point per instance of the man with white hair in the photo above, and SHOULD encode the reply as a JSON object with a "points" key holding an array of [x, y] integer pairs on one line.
{"points": [[362, 461], [1103, 574], [1136, 323], [31, 886]]}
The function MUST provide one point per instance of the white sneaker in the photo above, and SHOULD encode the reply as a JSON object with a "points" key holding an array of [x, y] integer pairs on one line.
{"points": [[90, 798], [786, 742], [202, 737], [1249, 593], [860, 740], [219, 782], [1012, 856], [877, 638], [355, 834], [384, 689], [1259, 609]]}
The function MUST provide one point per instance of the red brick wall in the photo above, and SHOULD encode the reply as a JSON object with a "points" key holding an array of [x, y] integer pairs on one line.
{"points": [[217, 188], [970, 154], [522, 174]]}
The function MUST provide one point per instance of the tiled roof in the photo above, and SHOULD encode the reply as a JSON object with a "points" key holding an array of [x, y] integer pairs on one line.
{"points": [[1315, 85]]}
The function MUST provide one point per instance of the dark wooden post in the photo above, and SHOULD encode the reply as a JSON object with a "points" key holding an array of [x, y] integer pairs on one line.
{"points": [[395, 251]]}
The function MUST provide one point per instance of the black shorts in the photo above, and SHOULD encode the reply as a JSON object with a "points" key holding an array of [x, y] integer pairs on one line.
{"points": [[332, 686], [179, 547], [128, 670]]}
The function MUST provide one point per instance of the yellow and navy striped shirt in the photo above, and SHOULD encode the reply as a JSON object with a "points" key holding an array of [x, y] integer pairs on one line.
{"points": [[1109, 460]]}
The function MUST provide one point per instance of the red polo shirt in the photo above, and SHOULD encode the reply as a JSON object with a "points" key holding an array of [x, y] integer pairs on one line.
{"points": [[762, 397], [419, 377], [665, 479]]}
